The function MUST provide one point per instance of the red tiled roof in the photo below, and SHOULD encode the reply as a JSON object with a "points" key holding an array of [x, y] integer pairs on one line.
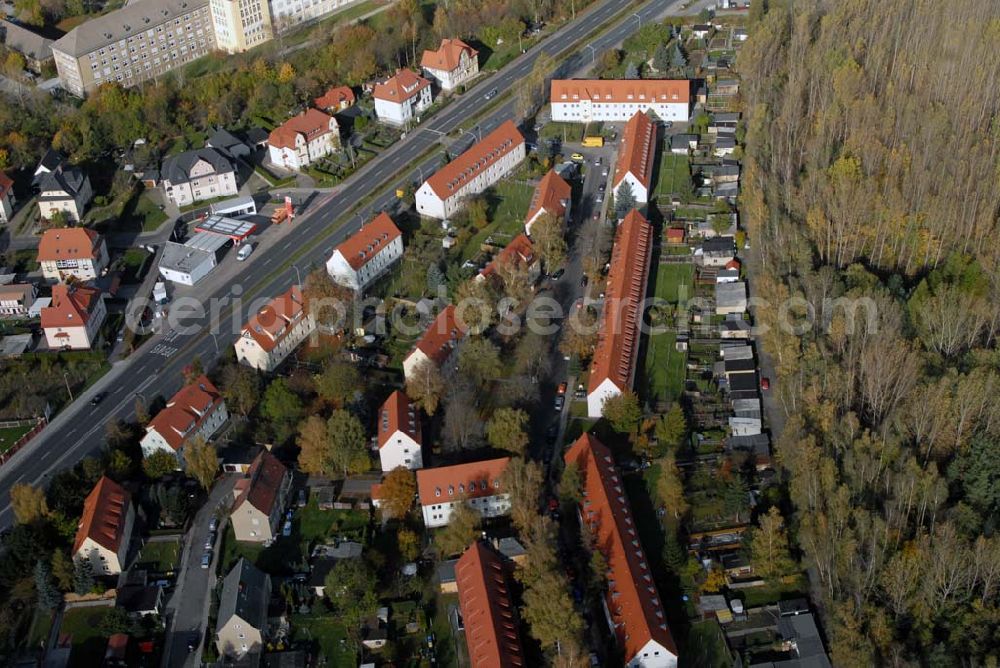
{"points": [[637, 150], [675, 235], [335, 97], [68, 243], [272, 323], [608, 91], [449, 179], [402, 86], [71, 306], [398, 414], [632, 599], [364, 244], [491, 626], [6, 184], [117, 646], [263, 484], [618, 340], [450, 483], [311, 124], [551, 194], [439, 339], [518, 251], [448, 56], [185, 411], [104, 513]]}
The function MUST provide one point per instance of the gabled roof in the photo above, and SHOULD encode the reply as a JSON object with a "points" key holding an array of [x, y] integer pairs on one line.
{"points": [[636, 610], [67, 179], [551, 195], [335, 98], [104, 514], [440, 338], [398, 414], [621, 91], [618, 340], [244, 594], [185, 411], [491, 626], [448, 180], [263, 486], [310, 124], [274, 321], [24, 41], [448, 56], [519, 251], [177, 168], [400, 87], [223, 140], [72, 306], [469, 481], [363, 245], [638, 150]]}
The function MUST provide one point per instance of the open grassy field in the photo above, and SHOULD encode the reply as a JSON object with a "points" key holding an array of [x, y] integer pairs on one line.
{"points": [[160, 556], [674, 176], [327, 634], [706, 647], [10, 435], [508, 204]]}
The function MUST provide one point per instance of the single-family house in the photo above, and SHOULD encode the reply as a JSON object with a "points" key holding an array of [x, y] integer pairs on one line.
{"points": [[76, 253], [402, 98], [552, 197], [275, 331], [241, 624], [193, 176], [196, 411], [477, 484], [399, 436], [485, 597], [65, 191], [303, 139], [517, 257], [105, 528], [636, 158], [716, 252], [437, 343], [724, 145], [453, 64], [336, 99], [366, 255], [229, 145], [723, 122], [617, 100], [73, 319], [701, 30], [261, 498]]}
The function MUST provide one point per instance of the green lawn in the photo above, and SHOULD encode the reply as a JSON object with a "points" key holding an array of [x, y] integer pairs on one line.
{"points": [[148, 211], [509, 202], [84, 624], [565, 132], [675, 175], [327, 635], [664, 370], [10, 435], [41, 625], [160, 556], [705, 647], [447, 645], [674, 282], [771, 594]]}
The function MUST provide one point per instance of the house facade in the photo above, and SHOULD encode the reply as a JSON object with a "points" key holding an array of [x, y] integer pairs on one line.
{"points": [[241, 24], [261, 498], [241, 624], [596, 100], [7, 200], [193, 176], [76, 253], [303, 139], [336, 99], [196, 411], [453, 64], [552, 196], [73, 319], [402, 98], [16, 299], [275, 331], [437, 343], [65, 191], [477, 484], [475, 170], [636, 158], [105, 528], [399, 436], [367, 254]]}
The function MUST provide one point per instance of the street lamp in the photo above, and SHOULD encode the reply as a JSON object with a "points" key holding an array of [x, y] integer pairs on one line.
{"points": [[66, 378], [593, 53], [298, 276], [637, 18]]}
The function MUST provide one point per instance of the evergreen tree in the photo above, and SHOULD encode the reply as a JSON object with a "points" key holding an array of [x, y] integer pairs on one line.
{"points": [[632, 71], [661, 58], [49, 597], [624, 200], [83, 577], [677, 59]]}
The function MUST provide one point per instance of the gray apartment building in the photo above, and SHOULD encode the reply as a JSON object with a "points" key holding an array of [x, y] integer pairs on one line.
{"points": [[139, 42]]}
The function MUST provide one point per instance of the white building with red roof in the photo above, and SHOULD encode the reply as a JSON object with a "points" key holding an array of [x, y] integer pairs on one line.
{"points": [[612, 370], [632, 605], [366, 255], [452, 64], [437, 343], [6, 198], [476, 483], [197, 410], [399, 439], [72, 252], [261, 498], [402, 98], [488, 610], [275, 331], [472, 172], [73, 319], [603, 100], [336, 99], [517, 256], [636, 157], [303, 139], [105, 528], [552, 197]]}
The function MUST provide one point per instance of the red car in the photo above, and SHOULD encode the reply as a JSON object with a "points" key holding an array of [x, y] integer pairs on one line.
{"points": [[561, 389], [765, 384]]}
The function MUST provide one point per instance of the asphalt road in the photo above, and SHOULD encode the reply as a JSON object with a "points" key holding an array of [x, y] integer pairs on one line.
{"points": [[156, 368]]}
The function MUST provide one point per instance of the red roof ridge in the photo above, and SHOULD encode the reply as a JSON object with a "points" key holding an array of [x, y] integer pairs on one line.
{"points": [[311, 123], [334, 97], [448, 180], [401, 86], [550, 193], [262, 485], [491, 630], [103, 516], [440, 337], [71, 306], [366, 243], [450, 483], [272, 323], [637, 151], [520, 250], [606, 91], [185, 411], [67, 243], [398, 414], [447, 56]]}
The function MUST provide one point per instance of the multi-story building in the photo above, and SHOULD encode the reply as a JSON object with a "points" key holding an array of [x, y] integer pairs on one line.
{"points": [[612, 370], [196, 411], [260, 500], [138, 42], [37, 50], [437, 343], [367, 254], [72, 252], [192, 176], [552, 197], [303, 139], [286, 14], [483, 580], [475, 170], [591, 100], [66, 191], [452, 65], [73, 319], [16, 299], [632, 607], [401, 98], [636, 157], [105, 528], [399, 439], [241, 624], [6, 198], [477, 483], [275, 331], [241, 24]]}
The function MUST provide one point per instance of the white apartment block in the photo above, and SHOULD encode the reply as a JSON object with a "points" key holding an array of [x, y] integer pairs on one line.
{"points": [[402, 98], [590, 100], [193, 176], [303, 139], [482, 165], [636, 158], [367, 254], [241, 24], [286, 14], [477, 484], [399, 436], [453, 64], [102, 537], [74, 318], [275, 331]]}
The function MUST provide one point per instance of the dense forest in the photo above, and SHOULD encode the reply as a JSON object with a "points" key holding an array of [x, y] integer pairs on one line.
{"points": [[872, 192]]}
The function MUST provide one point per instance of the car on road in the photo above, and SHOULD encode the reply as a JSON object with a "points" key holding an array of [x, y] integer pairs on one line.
{"points": [[244, 252], [765, 384], [302, 498], [577, 157], [286, 530], [578, 303], [599, 199], [98, 398], [206, 559], [213, 524], [210, 541], [557, 274], [492, 94], [604, 172], [559, 403], [561, 389], [598, 160]]}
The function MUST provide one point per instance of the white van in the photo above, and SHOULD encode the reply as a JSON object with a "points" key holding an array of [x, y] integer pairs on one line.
{"points": [[244, 252]]}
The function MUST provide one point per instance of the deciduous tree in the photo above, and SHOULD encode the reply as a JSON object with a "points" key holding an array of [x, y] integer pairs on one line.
{"points": [[547, 236], [347, 443], [769, 550], [399, 487], [339, 382], [462, 529], [201, 461], [159, 464], [622, 412], [425, 386], [506, 430], [314, 446], [479, 360], [523, 481], [28, 503]]}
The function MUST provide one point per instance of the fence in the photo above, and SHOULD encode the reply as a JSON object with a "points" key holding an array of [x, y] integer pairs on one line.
{"points": [[39, 424]]}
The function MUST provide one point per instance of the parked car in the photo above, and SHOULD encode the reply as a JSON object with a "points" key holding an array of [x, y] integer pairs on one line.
{"points": [[213, 524], [492, 94], [561, 389], [598, 160], [577, 157], [206, 559], [558, 273], [560, 402], [98, 398], [244, 252], [302, 498], [600, 198], [286, 530], [210, 541], [765, 384], [584, 281]]}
